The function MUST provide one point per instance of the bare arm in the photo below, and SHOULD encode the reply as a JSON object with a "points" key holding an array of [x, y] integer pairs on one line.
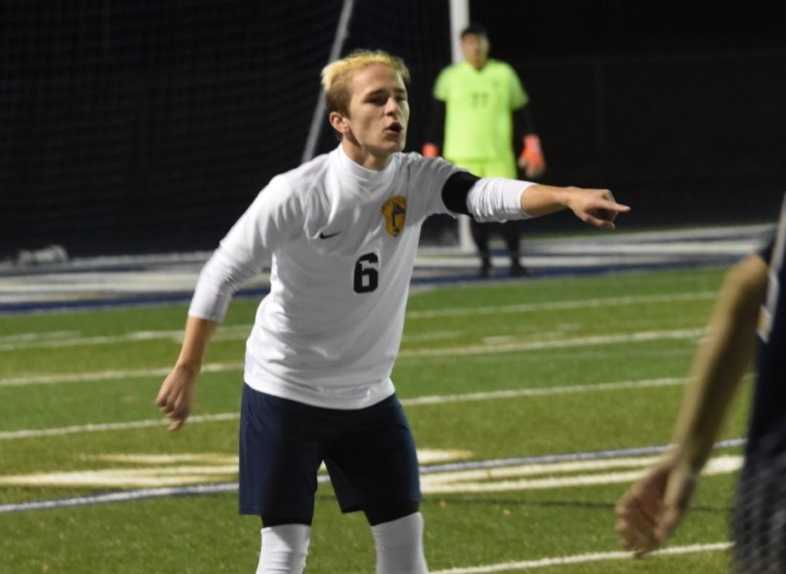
{"points": [[176, 395], [593, 206], [654, 506], [721, 361]]}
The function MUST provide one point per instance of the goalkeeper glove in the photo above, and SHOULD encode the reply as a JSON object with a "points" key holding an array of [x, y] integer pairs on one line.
{"points": [[430, 150], [531, 159]]}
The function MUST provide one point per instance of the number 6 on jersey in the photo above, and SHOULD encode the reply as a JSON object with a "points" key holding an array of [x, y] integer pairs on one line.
{"points": [[367, 273]]}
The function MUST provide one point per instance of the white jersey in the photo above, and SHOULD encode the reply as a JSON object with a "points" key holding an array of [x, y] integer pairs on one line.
{"points": [[343, 240]]}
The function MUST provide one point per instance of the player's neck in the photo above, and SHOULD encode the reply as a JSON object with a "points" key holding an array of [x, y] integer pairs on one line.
{"points": [[478, 64], [363, 157]]}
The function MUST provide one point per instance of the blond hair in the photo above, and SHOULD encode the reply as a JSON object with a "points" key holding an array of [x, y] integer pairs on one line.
{"points": [[337, 76]]}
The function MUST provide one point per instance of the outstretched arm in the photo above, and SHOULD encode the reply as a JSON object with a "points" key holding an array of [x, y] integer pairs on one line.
{"points": [[654, 506], [596, 207], [500, 199]]}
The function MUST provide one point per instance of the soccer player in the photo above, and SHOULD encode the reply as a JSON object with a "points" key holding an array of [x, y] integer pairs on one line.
{"points": [[482, 105], [342, 231], [652, 508]]}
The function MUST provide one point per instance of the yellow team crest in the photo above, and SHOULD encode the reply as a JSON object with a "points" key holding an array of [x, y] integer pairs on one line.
{"points": [[395, 213]]}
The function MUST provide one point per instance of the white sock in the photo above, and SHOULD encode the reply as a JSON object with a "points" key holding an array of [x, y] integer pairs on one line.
{"points": [[399, 546], [284, 549]]}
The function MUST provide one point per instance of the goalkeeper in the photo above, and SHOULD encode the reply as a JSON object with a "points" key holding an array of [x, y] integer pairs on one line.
{"points": [[481, 103]]}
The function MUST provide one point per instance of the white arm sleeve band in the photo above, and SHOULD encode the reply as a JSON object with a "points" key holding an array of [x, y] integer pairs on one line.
{"points": [[244, 250], [218, 281], [497, 199]]}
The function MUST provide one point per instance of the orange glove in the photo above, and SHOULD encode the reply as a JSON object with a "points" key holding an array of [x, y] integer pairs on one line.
{"points": [[430, 150], [531, 159]]}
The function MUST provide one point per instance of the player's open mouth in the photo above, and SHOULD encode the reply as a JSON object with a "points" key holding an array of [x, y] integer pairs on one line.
{"points": [[395, 128]]}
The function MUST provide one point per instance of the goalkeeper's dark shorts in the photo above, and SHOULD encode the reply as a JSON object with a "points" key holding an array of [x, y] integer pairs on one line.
{"points": [[759, 520], [369, 453]]}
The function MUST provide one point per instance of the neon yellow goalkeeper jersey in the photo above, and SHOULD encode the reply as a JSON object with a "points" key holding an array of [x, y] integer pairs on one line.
{"points": [[479, 105]]}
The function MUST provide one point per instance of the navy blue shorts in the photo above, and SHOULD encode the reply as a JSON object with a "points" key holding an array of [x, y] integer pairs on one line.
{"points": [[369, 453]]}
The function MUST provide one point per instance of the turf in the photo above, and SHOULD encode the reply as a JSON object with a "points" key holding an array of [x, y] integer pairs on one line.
{"points": [[512, 336]]}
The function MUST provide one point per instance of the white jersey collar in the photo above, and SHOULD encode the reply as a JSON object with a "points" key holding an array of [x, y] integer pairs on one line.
{"points": [[361, 182]]}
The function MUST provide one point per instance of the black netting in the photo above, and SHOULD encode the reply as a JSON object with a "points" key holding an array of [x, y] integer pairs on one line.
{"points": [[129, 126], [759, 519], [135, 126], [139, 125]]}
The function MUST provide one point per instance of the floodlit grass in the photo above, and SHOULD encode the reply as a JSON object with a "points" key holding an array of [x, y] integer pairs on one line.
{"points": [[454, 344]]}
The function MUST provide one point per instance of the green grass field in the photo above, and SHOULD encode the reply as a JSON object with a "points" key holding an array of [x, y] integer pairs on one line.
{"points": [[591, 363]]}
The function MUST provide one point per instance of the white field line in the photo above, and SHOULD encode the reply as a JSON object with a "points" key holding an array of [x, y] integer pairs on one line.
{"points": [[459, 482], [542, 392], [583, 559], [562, 305], [96, 376], [56, 340], [565, 458], [125, 477], [638, 337], [431, 336], [730, 247], [119, 497], [31, 337], [531, 468], [240, 332], [416, 401], [185, 470], [477, 481], [153, 471], [45, 340], [576, 262], [97, 340], [104, 427], [497, 347]]}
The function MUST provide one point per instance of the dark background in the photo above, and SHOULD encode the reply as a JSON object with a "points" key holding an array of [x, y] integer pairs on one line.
{"points": [[144, 126]]}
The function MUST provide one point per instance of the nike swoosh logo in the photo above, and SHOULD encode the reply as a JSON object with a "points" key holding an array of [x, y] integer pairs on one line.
{"points": [[328, 235]]}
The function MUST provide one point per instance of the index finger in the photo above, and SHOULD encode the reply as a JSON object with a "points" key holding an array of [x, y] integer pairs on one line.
{"points": [[612, 205]]}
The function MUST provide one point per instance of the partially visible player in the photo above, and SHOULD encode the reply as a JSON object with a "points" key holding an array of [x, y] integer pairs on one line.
{"points": [[653, 507], [342, 231], [481, 111]]}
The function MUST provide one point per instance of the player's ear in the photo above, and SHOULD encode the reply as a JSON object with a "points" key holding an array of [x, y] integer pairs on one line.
{"points": [[339, 122]]}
